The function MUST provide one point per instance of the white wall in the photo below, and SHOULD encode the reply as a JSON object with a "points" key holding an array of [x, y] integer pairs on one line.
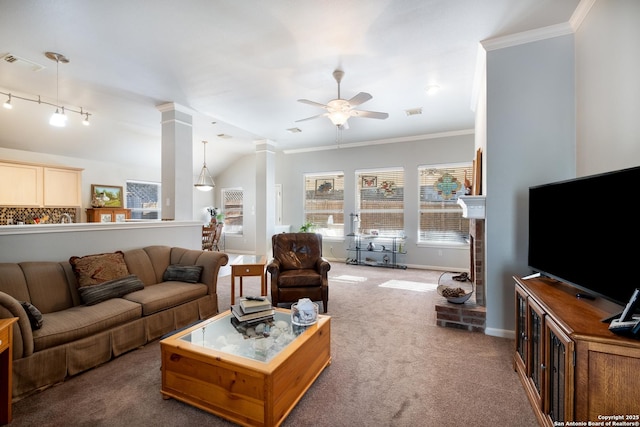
{"points": [[58, 242], [290, 170], [530, 141], [608, 87]]}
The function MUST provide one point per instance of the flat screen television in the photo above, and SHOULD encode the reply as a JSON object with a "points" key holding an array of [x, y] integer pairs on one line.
{"points": [[583, 232]]}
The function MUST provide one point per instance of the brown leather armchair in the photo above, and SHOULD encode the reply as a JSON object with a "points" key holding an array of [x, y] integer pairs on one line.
{"points": [[298, 269]]}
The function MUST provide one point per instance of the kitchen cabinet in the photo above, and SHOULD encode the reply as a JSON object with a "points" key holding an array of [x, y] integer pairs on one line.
{"points": [[62, 187], [22, 185], [33, 185], [108, 214]]}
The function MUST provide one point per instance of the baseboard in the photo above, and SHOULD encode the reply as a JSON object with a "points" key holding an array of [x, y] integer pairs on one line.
{"points": [[502, 333]]}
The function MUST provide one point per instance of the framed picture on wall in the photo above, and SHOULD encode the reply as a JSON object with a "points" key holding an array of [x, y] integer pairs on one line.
{"points": [[369, 181], [324, 186], [111, 195]]}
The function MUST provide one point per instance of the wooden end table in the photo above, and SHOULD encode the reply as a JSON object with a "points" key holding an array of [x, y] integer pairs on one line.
{"points": [[6, 368], [248, 265]]}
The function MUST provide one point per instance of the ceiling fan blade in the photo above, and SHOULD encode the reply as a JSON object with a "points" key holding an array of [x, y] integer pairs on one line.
{"points": [[369, 114], [315, 104], [312, 117], [360, 98]]}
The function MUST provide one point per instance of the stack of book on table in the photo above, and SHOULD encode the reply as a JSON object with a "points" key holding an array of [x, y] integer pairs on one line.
{"points": [[253, 310]]}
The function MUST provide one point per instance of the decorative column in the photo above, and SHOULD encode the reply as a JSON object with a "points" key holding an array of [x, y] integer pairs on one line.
{"points": [[265, 196], [177, 162]]}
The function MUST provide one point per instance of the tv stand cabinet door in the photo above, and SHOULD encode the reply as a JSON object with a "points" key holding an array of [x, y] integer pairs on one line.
{"points": [[607, 380]]}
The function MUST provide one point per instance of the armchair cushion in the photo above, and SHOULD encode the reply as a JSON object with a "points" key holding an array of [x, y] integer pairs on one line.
{"points": [[297, 250]]}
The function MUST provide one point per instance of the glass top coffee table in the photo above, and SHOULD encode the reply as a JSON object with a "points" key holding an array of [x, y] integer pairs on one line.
{"points": [[251, 377]]}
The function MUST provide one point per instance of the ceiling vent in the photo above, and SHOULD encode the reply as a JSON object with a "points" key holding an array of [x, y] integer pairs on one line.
{"points": [[24, 63], [413, 111], [224, 136]]}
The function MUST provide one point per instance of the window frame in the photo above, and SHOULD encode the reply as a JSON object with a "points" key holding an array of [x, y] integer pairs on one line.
{"points": [[314, 183], [229, 228], [142, 210], [367, 215], [449, 205]]}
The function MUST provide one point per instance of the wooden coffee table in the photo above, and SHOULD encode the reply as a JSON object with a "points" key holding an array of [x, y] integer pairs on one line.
{"points": [[249, 381]]}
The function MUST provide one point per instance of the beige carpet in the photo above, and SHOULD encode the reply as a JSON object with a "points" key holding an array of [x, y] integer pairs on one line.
{"points": [[392, 366]]}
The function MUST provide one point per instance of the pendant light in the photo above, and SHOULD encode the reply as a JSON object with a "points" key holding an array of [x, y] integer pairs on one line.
{"points": [[205, 182], [58, 119]]}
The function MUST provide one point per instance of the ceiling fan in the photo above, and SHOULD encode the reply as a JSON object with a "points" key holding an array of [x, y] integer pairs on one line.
{"points": [[339, 110]]}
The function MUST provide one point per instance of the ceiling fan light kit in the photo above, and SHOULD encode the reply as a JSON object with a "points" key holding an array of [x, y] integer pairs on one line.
{"points": [[340, 110]]}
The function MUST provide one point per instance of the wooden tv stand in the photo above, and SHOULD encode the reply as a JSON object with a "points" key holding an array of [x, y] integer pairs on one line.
{"points": [[571, 366]]}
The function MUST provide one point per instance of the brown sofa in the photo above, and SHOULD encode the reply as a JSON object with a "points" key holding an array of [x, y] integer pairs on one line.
{"points": [[75, 336]]}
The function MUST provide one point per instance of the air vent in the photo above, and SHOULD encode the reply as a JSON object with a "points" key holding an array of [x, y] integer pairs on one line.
{"points": [[294, 130], [24, 63], [224, 136], [413, 111]]}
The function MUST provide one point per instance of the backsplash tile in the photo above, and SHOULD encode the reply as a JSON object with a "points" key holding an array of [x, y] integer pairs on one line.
{"points": [[11, 215]]}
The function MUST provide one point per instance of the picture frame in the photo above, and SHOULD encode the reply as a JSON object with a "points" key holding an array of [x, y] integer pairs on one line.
{"points": [[113, 195], [369, 181], [324, 186]]}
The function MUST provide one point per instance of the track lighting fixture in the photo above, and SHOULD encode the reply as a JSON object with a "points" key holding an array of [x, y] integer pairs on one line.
{"points": [[59, 117], [7, 103]]}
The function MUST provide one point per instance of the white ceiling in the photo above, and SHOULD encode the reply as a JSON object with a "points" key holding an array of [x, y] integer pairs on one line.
{"points": [[243, 65]]}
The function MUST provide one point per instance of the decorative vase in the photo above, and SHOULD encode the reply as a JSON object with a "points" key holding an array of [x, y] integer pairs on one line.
{"points": [[97, 201]]}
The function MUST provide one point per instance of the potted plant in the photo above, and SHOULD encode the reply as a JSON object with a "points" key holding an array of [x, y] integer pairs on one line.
{"points": [[307, 227]]}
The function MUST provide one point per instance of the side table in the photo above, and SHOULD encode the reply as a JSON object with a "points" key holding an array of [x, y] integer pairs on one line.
{"points": [[248, 265], [6, 368]]}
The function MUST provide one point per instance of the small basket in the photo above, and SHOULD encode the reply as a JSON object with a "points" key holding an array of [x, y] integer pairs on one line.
{"points": [[303, 319], [455, 300]]}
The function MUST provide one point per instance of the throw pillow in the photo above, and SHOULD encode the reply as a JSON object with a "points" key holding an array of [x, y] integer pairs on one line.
{"points": [[34, 315], [99, 268], [183, 273], [94, 294]]}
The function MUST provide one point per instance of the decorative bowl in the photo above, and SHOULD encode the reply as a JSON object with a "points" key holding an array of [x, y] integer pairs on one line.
{"points": [[301, 318], [460, 299]]}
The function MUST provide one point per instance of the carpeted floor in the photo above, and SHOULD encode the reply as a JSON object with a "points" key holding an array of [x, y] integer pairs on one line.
{"points": [[392, 366]]}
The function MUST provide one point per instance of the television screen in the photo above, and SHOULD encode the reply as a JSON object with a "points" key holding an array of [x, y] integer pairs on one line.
{"points": [[582, 232]]}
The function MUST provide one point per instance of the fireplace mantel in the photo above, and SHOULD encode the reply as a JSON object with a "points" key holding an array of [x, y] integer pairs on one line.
{"points": [[472, 206]]}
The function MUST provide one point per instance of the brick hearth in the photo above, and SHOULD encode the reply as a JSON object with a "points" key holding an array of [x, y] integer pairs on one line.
{"points": [[472, 314]]}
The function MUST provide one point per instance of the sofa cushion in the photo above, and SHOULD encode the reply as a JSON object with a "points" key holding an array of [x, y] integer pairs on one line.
{"points": [[166, 295], [98, 268], [183, 273], [34, 315], [82, 321], [93, 294]]}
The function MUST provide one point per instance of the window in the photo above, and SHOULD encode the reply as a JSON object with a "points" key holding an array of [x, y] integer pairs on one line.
{"points": [[380, 201], [441, 218], [143, 198], [324, 203], [232, 207]]}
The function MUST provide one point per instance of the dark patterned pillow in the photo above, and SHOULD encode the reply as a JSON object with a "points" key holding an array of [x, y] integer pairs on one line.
{"points": [[183, 273], [94, 294], [98, 268], [34, 315]]}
